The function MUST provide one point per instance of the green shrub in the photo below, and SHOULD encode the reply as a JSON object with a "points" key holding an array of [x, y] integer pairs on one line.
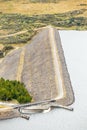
{"points": [[13, 90]]}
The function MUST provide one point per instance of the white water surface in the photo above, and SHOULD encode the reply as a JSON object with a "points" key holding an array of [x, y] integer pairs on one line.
{"points": [[75, 49]]}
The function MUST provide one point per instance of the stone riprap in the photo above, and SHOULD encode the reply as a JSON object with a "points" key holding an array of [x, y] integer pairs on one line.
{"points": [[41, 66]]}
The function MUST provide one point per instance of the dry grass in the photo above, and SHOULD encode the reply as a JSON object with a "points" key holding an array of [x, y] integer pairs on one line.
{"points": [[24, 7], [1, 106], [3, 32], [12, 102], [1, 46]]}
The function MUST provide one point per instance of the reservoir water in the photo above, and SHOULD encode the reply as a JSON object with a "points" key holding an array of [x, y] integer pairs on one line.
{"points": [[75, 49]]}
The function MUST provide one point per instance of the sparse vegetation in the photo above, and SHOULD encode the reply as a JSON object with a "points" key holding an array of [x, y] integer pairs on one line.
{"points": [[1, 54], [18, 22], [16, 16], [6, 49], [10, 90], [83, 4]]}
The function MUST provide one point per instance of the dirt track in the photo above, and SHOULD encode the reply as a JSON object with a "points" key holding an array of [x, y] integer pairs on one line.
{"points": [[10, 35]]}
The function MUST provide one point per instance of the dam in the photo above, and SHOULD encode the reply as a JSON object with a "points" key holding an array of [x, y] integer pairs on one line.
{"points": [[41, 66]]}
